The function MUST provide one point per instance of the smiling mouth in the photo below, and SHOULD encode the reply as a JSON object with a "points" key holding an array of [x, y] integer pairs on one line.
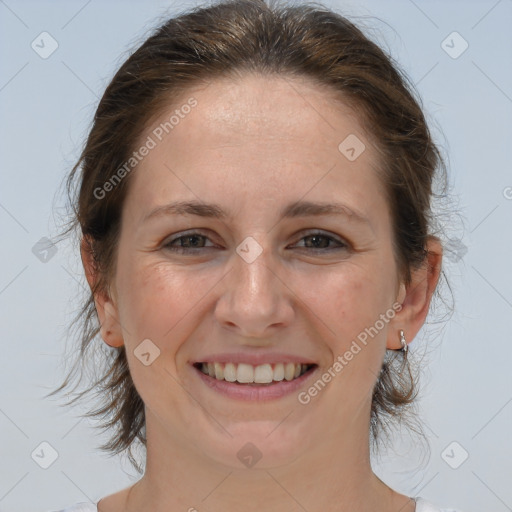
{"points": [[261, 375]]}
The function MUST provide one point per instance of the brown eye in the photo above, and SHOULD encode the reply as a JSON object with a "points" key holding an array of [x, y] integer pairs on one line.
{"points": [[321, 241], [187, 243]]}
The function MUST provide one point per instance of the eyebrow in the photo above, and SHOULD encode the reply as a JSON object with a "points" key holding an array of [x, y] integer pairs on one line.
{"points": [[293, 210]]}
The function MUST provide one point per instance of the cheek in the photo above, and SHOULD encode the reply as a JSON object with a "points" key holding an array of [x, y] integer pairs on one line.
{"points": [[163, 303], [154, 302], [348, 299], [154, 298]]}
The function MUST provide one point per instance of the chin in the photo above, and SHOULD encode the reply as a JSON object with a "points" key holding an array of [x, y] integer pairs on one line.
{"points": [[257, 445]]}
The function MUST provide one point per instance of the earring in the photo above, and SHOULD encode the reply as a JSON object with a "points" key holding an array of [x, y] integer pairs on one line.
{"points": [[403, 341]]}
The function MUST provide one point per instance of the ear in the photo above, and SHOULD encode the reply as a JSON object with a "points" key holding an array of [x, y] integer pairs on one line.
{"points": [[415, 298], [107, 311]]}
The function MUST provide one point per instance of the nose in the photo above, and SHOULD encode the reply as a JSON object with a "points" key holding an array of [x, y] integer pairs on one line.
{"points": [[255, 301]]}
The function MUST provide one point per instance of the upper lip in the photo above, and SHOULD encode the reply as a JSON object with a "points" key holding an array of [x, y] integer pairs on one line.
{"points": [[254, 359]]}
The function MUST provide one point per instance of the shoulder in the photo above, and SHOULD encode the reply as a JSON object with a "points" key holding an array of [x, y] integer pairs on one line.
{"points": [[425, 506], [81, 507], [422, 505]]}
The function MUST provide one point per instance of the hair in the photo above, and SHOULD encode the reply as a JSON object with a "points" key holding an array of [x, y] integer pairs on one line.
{"points": [[230, 39]]}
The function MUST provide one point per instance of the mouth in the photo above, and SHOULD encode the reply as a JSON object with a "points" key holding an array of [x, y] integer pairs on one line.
{"points": [[263, 375]]}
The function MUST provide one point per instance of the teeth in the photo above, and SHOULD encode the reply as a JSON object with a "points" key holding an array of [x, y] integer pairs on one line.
{"points": [[219, 371], [279, 371], [248, 374], [289, 371], [245, 373], [230, 372], [264, 374]]}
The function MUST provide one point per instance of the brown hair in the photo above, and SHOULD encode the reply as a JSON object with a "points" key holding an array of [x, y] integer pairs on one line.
{"points": [[228, 38]]}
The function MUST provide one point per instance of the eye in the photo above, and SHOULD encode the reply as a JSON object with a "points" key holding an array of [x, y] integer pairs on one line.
{"points": [[189, 242], [322, 242], [194, 241]]}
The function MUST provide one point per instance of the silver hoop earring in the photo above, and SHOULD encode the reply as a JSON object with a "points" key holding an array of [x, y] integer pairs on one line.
{"points": [[403, 342]]}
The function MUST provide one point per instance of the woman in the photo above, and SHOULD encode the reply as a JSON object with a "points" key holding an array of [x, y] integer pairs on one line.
{"points": [[254, 209]]}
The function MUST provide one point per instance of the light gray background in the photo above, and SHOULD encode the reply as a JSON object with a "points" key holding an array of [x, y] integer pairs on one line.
{"points": [[46, 106]]}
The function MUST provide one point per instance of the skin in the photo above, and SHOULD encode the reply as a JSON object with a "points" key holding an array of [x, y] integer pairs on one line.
{"points": [[254, 145]]}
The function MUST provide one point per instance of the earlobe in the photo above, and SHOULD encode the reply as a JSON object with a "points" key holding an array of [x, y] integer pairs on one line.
{"points": [[110, 328], [416, 296]]}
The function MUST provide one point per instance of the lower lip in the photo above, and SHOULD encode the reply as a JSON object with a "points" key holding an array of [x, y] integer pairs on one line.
{"points": [[255, 392]]}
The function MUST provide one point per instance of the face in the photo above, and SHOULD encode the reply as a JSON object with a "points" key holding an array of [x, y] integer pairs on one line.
{"points": [[257, 272]]}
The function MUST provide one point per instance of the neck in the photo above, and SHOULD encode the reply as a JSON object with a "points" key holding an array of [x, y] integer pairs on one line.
{"points": [[335, 476]]}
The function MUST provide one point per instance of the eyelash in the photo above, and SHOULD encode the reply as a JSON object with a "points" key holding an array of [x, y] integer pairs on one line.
{"points": [[187, 250]]}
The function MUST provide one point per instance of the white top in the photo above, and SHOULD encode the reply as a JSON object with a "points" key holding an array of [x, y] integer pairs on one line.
{"points": [[421, 506]]}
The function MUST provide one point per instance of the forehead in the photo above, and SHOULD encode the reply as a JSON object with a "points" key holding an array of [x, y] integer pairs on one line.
{"points": [[265, 135], [273, 109]]}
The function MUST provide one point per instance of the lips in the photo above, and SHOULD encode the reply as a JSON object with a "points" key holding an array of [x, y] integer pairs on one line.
{"points": [[244, 373], [254, 376]]}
